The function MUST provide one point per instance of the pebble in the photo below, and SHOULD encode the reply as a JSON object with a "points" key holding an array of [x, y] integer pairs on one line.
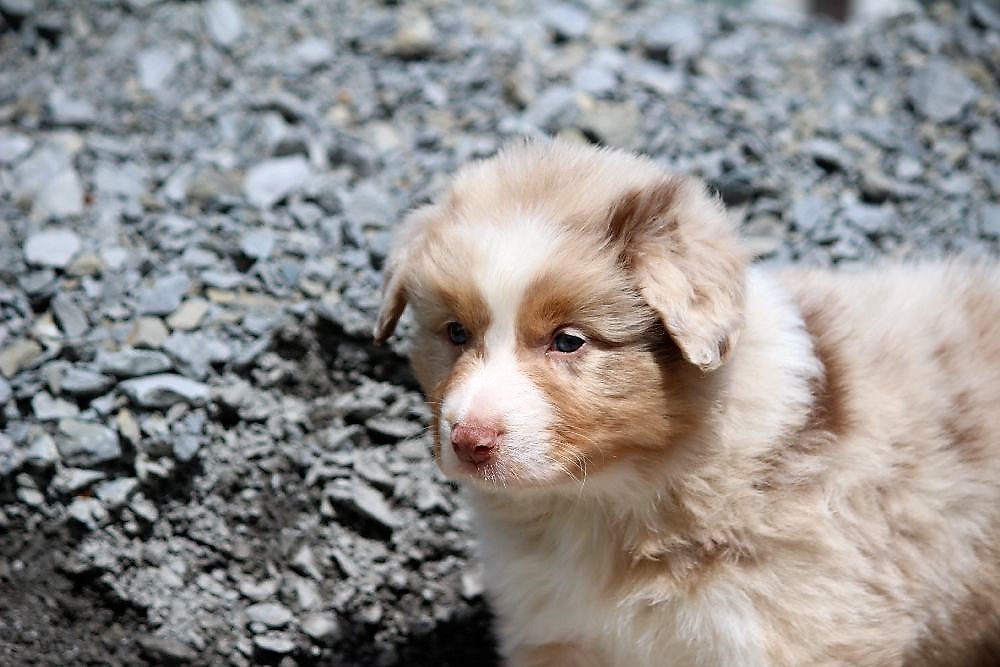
{"points": [[186, 447], [42, 452], [672, 38], [47, 408], [68, 481], [270, 614], [166, 650], [304, 562], [940, 91], [85, 382], [87, 511], [989, 221], [364, 499], [5, 392], [164, 390], [54, 248], [18, 355], [164, 295], [312, 52], [223, 21], [87, 444], [189, 315], [274, 643], [30, 497], [321, 628], [269, 182], [13, 147], [869, 219], [148, 332], [130, 363], [565, 20], [155, 67], [48, 180], [65, 109], [70, 317], [258, 244], [115, 493]]}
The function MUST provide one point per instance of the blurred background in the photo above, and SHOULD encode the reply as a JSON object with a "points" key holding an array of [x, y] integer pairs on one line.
{"points": [[202, 458]]}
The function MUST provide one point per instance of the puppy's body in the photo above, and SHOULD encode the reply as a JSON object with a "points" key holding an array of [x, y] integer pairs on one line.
{"points": [[736, 467]]}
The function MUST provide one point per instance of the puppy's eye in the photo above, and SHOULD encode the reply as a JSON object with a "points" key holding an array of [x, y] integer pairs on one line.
{"points": [[457, 333], [567, 342]]}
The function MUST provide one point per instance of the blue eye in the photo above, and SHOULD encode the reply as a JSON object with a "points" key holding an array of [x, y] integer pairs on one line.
{"points": [[457, 333], [567, 343]]}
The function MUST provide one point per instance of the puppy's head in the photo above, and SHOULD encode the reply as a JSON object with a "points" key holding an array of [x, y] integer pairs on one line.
{"points": [[564, 298]]}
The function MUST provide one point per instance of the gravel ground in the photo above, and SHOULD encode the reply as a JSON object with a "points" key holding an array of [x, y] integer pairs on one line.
{"points": [[202, 458]]}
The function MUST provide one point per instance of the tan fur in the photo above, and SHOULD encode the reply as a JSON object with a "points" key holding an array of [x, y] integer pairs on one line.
{"points": [[760, 468]]}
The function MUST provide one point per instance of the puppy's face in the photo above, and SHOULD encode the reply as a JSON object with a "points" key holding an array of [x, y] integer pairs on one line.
{"points": [[547, 350]]}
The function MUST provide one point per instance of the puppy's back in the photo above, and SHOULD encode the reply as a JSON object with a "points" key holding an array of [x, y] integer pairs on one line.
{"points": [[911, 392]]}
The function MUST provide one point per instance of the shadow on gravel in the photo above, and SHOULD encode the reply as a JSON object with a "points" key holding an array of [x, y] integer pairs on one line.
{"points": [[50, 618]]}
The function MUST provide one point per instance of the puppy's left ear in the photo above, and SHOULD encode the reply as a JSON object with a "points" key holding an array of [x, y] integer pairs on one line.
{"points": [[683, 254], [397, 270]]}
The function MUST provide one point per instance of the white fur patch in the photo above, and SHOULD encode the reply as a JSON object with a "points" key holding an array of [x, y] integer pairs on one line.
{"points": [[508, 259]]}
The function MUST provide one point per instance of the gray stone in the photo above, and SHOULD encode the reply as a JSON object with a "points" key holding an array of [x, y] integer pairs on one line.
{"points": [[223, 21], [986, 140], [304, 562], [394, 428], [553, 109], [565, 20], [989, 220], [614, 123], [20, 354], [166, 650], [13, 147], [114, 493], [148, 332], [186, 447], [47, 408], [595, 79], [164, 295], [48, 181], [30, 497], [270, 614], [808, 213], [164, 390], [11, 458], [274, 643], [126, 180], [312, 52], [867, 218], [5, 392], [70, 317], [84, 382], [67, 110], [87, 511], [68, 481], [194, 352], [258, 591], [53, 247], [19, 9], [940, 92], [87, 444], [130, 363], [42, 452], [364, 499], [189, 315], [672, 38], [258, 244], [268, 182], [155, 67], [321, 628]]}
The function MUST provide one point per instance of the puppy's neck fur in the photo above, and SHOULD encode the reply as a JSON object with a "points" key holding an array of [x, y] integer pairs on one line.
{"points": [[698, 495]]}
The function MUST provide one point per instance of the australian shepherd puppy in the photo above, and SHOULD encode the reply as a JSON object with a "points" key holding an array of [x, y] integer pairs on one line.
{"points": [[679, 459]]}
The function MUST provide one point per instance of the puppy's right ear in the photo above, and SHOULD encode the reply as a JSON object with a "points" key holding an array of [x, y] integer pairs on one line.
{"points": [[397, 271]]}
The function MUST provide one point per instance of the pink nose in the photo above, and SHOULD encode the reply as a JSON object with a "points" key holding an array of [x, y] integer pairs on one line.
{"points": [[475, 442]]}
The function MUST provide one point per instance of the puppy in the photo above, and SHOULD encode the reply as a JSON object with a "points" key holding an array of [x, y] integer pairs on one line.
{"points": [[679, 459]]}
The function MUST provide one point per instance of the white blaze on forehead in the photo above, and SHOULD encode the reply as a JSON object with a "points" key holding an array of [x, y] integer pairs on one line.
{"points": [[508, 258]]}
